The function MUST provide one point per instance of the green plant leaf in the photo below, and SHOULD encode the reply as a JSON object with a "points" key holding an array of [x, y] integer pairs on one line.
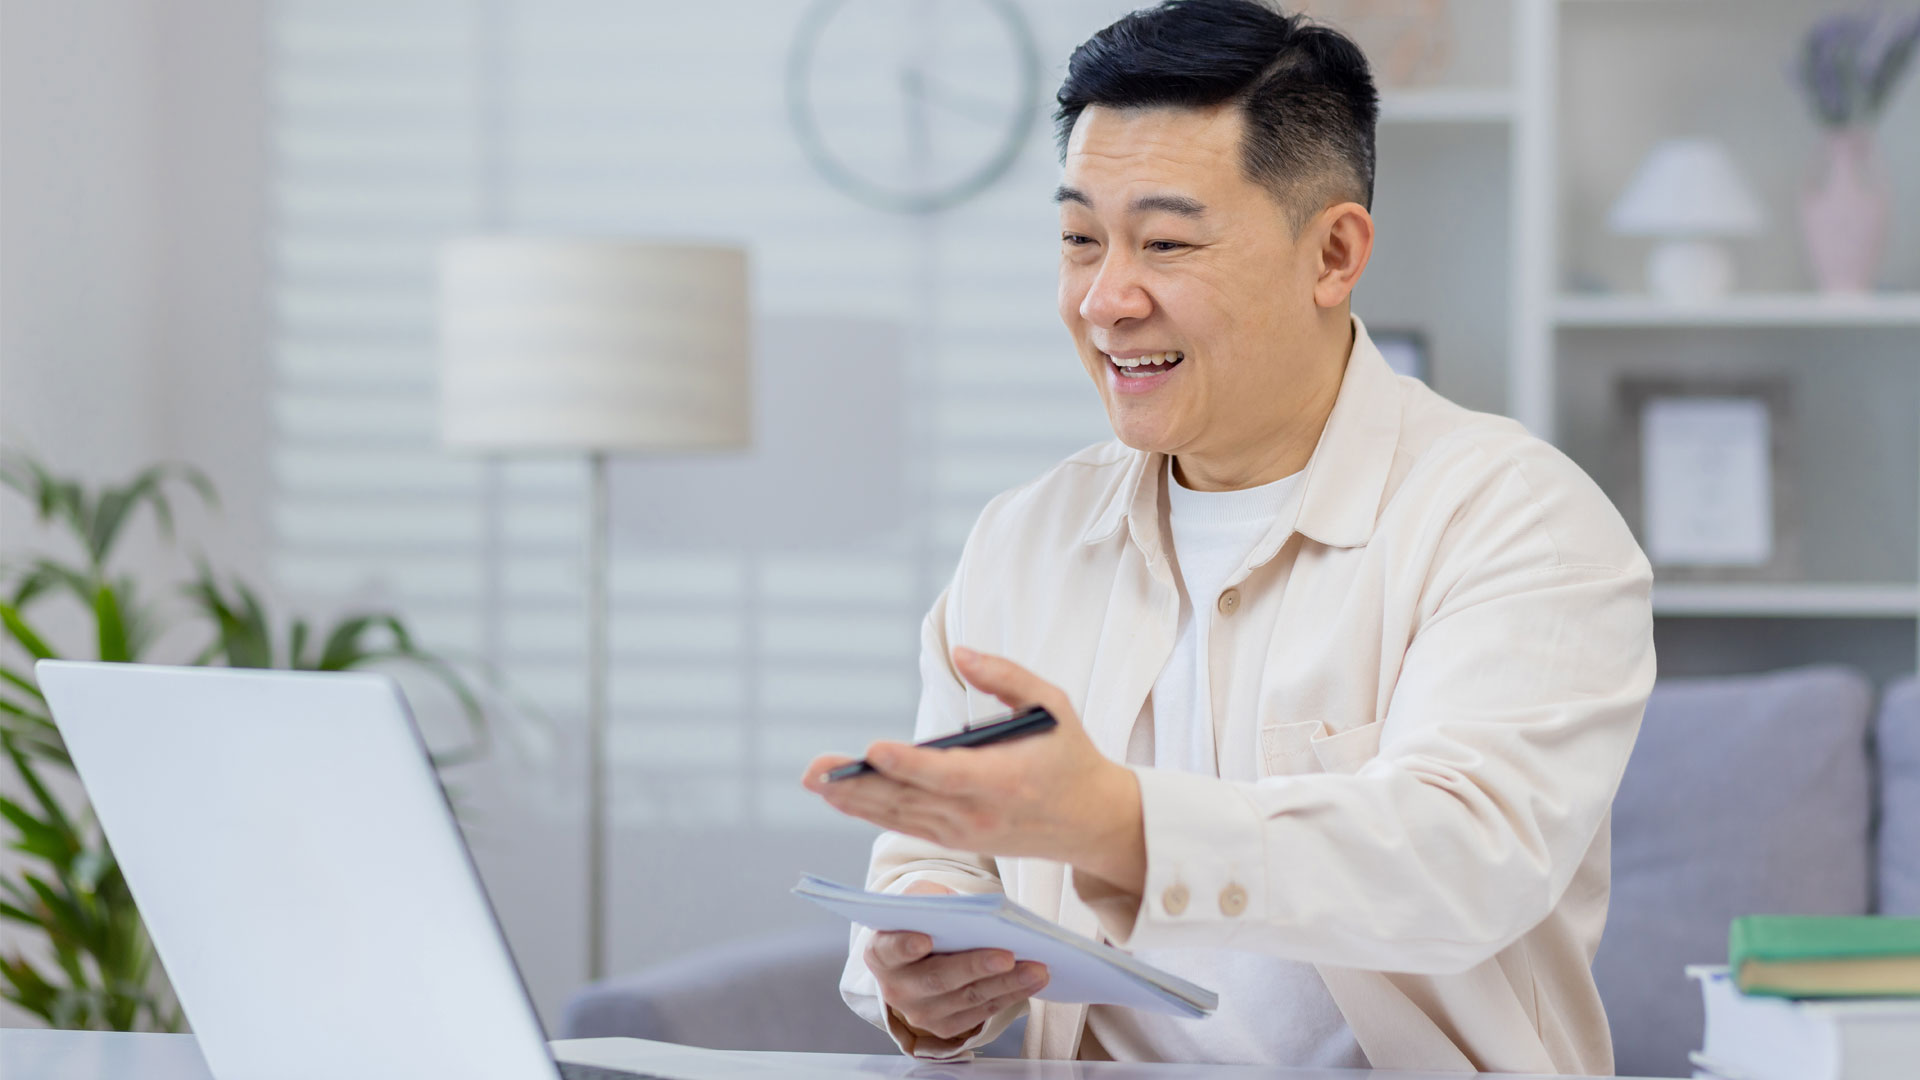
{"points": [[24, 634], [49, 806], [297, 645], [8, 911], [112, 628], [91, 867], [44, 575], [9, 675], [24, 713], [345, 647], [37, 838], [53, 498], [65, 919], [116, 506], [29, 989], [245, 640]]}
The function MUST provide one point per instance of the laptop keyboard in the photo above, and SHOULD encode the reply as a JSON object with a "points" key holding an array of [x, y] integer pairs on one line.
{"points": [[570, 1070]]}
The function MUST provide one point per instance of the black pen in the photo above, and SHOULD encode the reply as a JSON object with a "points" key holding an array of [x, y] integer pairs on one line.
{"points": [[1031, 721]]}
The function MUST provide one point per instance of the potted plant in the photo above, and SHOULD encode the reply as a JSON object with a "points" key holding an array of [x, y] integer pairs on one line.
{"points": [[102, 971], [1849, 66]]}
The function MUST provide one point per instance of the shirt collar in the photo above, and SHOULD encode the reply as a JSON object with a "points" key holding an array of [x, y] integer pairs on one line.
{"points": [[1343, 482]]}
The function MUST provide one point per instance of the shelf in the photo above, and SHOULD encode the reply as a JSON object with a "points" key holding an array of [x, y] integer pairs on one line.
{"points": [[1742, 309], [1446, 106], [1787, 600]]}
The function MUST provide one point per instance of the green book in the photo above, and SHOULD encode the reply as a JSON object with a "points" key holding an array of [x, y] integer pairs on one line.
{"points": [[1804, 956]]}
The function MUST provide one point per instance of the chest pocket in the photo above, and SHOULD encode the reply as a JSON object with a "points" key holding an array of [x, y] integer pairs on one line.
{"points": [[1306, 746]]}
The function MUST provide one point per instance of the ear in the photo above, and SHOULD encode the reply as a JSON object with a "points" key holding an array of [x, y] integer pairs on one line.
{"points": [[1345, 235]]}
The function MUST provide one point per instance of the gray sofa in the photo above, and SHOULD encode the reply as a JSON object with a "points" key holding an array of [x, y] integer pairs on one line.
{"points": [[1768, 793]]}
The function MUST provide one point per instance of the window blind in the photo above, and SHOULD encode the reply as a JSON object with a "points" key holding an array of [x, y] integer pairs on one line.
{"points": [[399, 124]]}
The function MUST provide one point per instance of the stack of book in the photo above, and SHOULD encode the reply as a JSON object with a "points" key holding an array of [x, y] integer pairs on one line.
{"points": [[1806, 997]]}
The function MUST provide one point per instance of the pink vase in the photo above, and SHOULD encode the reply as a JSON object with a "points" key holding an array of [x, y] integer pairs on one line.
{"points": [[1843, 213]]}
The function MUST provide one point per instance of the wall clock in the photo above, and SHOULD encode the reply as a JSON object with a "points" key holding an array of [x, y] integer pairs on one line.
{"points": [[913, 105]]}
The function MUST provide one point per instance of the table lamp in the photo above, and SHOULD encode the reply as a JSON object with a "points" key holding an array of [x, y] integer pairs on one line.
{"points": [[593, 347], [1688, 193]]}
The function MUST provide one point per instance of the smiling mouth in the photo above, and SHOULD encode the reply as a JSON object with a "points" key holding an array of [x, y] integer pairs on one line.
{"points": [[1140, 367]]}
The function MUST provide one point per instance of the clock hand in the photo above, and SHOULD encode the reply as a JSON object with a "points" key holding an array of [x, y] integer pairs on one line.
{"points": [[972, 106]]}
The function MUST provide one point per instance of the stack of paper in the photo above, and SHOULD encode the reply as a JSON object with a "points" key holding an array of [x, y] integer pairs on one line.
{"points": [[1753, 1037], [1079, 969]]}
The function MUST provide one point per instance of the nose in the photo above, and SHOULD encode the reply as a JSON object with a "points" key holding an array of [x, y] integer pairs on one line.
{"points": [[1116, 294]]}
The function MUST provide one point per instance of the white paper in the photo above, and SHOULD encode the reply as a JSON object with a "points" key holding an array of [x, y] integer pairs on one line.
{"points": [[1706, 469], [1078, 969]]}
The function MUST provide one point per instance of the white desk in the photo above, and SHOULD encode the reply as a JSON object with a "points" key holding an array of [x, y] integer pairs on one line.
{"points": [[28, 1054]]}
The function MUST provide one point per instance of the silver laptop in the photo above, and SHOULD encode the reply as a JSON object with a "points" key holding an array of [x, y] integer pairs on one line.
{"points": [[301, 874]]}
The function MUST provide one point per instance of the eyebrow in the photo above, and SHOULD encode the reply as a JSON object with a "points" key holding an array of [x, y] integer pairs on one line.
{"points": [[1182, 205]]}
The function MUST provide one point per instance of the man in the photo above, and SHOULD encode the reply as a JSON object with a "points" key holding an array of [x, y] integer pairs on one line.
{"points": [[1346, 675]]}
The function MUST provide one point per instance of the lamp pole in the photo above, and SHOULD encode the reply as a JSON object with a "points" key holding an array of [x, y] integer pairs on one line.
{"points": [[594, 347], [597, 716]]}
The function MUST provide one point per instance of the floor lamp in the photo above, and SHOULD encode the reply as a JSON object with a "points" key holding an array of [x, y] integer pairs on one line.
{"points": [[593, 347]]}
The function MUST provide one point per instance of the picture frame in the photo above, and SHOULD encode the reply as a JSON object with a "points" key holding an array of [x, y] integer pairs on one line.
{"points": [[1706, 476]]}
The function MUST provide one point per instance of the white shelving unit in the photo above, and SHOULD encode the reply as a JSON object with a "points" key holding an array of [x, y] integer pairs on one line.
{"points": [[1787, 599], [1748, 309], [1551, 330]]}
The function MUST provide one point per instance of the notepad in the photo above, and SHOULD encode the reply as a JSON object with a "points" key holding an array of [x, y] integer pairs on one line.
{"points": [[1079, 969]]}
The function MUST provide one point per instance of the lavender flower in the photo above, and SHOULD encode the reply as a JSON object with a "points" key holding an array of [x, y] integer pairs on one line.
{"points": [[1850, 64]]}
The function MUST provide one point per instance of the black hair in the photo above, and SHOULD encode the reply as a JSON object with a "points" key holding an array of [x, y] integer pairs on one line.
{"points": [[1304, 89]]}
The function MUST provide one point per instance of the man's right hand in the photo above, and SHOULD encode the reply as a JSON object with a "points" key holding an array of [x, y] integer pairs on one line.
{"points": [[947, 995]]}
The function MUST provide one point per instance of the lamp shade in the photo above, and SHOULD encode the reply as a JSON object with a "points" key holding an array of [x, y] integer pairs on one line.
{"points": [[585, 345], [1686, 188]]}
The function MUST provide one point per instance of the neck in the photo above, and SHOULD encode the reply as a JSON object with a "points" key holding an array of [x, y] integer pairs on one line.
{"points": [[1285, 449]]}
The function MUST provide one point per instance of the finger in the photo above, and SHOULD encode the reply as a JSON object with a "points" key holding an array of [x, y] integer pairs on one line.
{"points": [[892, 949], [969, 1018], [936, 771], [815, 778], [864, 796], [937, 823], [923, 887], [1024, 978], [1015, 686], [973, 1018], [942, 974], [929, 827]]}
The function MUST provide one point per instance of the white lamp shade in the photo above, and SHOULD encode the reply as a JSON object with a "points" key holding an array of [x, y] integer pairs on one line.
{"points": [[584, 345], [1686, 188]]}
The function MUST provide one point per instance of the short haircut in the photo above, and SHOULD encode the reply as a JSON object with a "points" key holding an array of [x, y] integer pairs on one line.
{"points": [[1303, 89]]}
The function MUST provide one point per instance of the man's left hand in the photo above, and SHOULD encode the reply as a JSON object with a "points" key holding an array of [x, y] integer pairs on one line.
{"points": [[1053, 795]]}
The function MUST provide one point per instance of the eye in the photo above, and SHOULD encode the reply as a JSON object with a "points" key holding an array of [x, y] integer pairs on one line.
{"points": [[1165, 245], [1075, 239]]}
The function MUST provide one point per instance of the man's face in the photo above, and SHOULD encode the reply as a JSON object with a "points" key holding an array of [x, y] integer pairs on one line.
{"points": [[1166, 247]]}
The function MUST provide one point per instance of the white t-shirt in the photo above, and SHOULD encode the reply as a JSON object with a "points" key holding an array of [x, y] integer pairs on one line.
{"points": [[1272, 1011]]}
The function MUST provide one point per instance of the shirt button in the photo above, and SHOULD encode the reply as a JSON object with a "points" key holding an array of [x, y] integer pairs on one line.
{"points": [[1229, 601], [1174, 899], [1233, 900]]}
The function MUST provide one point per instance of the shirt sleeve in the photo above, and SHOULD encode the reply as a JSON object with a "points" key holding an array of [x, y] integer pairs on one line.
{"points": [[900, 860], [1509, 726]]}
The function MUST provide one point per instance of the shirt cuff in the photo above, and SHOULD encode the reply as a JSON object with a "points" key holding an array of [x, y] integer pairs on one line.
{"points": [[922, 1045], [1206, 866]]}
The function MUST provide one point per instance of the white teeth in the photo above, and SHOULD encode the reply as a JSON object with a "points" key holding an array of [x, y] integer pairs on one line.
{"points": [[1149, 358]]}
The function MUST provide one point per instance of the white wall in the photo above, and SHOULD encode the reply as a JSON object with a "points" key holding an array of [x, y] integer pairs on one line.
{"points": [[132, 172], [131, 250]]}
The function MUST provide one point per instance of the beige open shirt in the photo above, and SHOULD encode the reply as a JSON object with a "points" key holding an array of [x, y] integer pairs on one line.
{"points": [[1448, 650]]}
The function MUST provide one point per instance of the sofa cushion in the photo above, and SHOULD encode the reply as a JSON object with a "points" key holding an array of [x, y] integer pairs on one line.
{"points": [[778, 992], [1897, 741], [770, 992], [1744, 795]]}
